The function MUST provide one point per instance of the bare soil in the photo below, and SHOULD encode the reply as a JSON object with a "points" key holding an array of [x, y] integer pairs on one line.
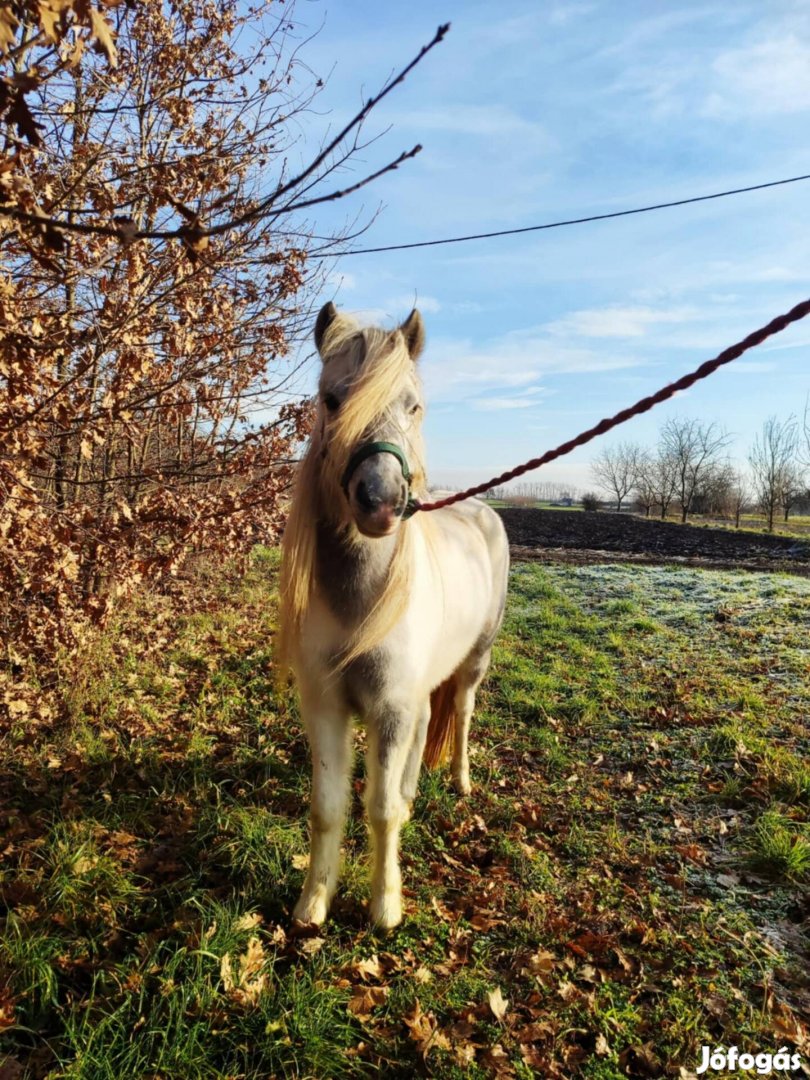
{"points": [[563, 536]]}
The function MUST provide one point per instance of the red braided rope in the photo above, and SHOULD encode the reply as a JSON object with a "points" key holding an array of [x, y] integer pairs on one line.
{"points": [[731, 353]]}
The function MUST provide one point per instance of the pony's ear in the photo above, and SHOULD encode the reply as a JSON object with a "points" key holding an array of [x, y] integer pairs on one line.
{"points": [[326, 316], [413, 330]]}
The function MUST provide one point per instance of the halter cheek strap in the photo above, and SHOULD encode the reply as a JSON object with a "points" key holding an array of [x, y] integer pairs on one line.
{"points": [[368, 450]]}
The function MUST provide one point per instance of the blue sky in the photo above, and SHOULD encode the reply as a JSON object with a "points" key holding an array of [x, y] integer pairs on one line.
{"points": [[530, 112]]}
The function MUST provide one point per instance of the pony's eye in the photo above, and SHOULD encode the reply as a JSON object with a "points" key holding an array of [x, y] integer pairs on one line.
{"points": [[331, 402], [415, 409]]}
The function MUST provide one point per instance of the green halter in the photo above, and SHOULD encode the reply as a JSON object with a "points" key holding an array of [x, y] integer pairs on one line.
{"points": [[368, 450]]}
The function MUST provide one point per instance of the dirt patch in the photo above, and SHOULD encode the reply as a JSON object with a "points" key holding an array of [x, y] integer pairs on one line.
{"points": [[566, 536]]}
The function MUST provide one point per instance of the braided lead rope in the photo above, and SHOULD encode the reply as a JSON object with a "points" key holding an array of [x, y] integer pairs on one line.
{"points": [[731, 353]]}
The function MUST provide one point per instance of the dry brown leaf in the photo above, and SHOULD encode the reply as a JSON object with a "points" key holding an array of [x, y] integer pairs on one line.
{"points": [[464, 1053], [497, 1059], [424, 1030], [247, 984], [367, 998], [309, 946], [11, 1069], [248, 921], [498, 1004], [537, 1031], [103, 33], [542, 962], [442, 910], [370, 968]]}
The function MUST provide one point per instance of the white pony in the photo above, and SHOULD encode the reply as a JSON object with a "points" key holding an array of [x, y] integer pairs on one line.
{"points": [[384, 616]]}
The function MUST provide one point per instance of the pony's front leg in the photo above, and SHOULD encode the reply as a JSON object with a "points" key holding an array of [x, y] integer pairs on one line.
{"points": [[329, 731], [391, 735]]}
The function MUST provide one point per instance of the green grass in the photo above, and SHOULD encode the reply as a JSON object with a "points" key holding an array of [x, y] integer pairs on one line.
{"points": [[628, 872], [779, 848]]}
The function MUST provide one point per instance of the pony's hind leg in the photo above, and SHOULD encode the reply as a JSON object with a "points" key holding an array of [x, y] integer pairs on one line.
{"points": [[329, 732], [391, 735], [413, 764], [469, 677]]}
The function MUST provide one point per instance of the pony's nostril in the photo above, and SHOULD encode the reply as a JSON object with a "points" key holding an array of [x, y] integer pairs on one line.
{"points": [[365, 498]]}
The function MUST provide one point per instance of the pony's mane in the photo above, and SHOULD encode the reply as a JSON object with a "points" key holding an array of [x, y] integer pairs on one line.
{"points": [[382, 363]]}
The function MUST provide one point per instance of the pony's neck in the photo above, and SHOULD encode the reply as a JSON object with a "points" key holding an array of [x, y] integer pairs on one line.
{"points": [[351, 570]]}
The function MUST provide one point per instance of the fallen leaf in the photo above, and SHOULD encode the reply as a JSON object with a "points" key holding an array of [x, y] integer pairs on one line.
{"points": [[367, 998], [542, 962], [248, 921], [424, 1030], [498, 1003], [309, 946], [371, 968], [601, 1047]]}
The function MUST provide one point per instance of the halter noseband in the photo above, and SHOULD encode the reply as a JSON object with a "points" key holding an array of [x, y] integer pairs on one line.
{"points": [[368, 450]]}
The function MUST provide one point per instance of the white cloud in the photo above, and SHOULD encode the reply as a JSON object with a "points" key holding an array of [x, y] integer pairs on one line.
{"points": [[428, 305], [495, 404], [460, 370], [529, 398], [617, 322], [753, 367], [340, 281], [765, 78], [561, 14], [492, 121]]}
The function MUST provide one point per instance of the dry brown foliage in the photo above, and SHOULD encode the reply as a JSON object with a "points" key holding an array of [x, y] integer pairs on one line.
{"points": [[144, 405]]}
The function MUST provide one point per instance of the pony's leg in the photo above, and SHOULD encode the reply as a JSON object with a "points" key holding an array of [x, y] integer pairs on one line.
{"points": [[329, 732], [413, 764], [391, 734], [469, 679]]}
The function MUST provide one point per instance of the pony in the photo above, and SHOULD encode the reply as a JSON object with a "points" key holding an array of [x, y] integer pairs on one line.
{"points": [[385, 615]]}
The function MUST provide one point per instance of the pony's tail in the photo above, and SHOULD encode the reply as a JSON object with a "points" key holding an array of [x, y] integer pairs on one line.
{"points": [[442, 726]]}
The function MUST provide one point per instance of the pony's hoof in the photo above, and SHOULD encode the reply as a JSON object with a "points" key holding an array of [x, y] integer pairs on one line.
{"points": [[387, 912], [462, 784], [310, 911]]}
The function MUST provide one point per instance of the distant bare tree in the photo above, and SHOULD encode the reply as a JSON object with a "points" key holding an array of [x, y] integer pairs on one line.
{"points": [[693, 448], [539, 491], [792, 487], [773, 458], [658, 475], [645, 489], [616, 469], [731, 492]]}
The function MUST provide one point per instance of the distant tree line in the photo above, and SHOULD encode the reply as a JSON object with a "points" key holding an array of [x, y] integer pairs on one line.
{"points": [[542, 491], [688, 470]]}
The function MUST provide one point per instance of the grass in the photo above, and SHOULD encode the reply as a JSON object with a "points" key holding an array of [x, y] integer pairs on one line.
{"points": [[779, 848], [629, 873]]}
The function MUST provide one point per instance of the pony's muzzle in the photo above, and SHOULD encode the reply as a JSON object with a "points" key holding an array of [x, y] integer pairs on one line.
{"points": [[377, 485], [377, 495]]}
